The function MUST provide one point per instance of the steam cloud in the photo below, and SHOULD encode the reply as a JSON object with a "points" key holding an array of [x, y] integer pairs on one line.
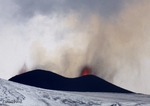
{"points": [[112, 40]]}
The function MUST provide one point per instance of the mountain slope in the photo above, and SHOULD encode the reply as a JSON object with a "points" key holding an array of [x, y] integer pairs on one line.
{"points": [[49, 80], [15, 94]]}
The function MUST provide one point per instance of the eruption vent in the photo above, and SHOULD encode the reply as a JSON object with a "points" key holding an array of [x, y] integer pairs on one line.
{"points": [[85, 71]]}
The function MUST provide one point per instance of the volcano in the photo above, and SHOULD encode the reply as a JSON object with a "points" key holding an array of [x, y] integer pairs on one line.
{"points": [[49, 80]]}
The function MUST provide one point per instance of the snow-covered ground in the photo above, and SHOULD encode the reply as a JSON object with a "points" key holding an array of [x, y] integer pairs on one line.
{"points": [[15, 94]]}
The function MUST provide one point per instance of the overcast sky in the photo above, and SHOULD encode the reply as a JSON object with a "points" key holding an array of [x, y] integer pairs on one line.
{"points": [[28, 8]]}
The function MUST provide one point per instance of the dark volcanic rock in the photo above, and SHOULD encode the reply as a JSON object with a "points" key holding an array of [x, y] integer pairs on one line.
{"points": [[49, 80]]}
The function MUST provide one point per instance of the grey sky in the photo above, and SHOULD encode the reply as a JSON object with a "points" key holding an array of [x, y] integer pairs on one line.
{"points": [[105, 8]]}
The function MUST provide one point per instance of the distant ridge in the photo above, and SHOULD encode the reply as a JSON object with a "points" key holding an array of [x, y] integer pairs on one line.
{"points": [[50, 80]]}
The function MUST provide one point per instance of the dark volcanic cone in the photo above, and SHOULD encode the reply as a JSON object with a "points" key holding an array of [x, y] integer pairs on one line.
{"points": [[49, 80]]}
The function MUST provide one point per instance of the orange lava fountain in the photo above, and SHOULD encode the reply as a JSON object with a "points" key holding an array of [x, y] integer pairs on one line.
{"points": [[85, 71]]}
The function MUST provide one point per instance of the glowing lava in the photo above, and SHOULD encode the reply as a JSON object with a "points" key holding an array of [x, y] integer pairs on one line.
{"points": [[85, 71]]}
